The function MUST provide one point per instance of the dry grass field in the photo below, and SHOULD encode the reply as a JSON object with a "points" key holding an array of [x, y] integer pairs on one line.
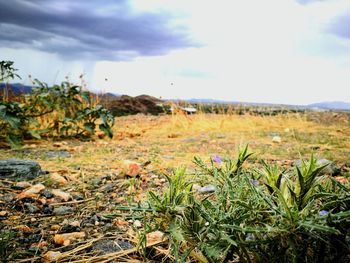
{"points": [[95, 171]]}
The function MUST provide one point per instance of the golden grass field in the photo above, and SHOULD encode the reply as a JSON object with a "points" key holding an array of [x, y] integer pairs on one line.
{"points": [[173, 140], [169, 141], [165, 142]]}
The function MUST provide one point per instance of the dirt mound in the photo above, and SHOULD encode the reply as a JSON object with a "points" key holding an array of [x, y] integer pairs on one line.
{"points": [[126, 105]]}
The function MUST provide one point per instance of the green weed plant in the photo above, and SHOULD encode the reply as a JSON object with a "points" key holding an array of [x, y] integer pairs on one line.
{"points": [[60, 111], [263, 214]]}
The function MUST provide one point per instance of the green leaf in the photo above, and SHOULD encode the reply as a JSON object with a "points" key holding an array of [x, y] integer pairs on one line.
{"points": [[86, 96], [90, 127], [35, 134], [107, 130], [14, 141]]}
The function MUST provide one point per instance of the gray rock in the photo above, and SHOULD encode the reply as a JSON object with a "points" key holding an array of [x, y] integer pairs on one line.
{"points": [[107, 246], [107, 188], [207, 189], [31, 208], [331, 168], [190, 140], [47, 194], [58, 154], [62, 210], [19, 170], [168, 157]]}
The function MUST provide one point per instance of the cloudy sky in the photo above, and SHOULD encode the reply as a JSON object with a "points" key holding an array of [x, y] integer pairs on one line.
{"points": [[280, 51]]}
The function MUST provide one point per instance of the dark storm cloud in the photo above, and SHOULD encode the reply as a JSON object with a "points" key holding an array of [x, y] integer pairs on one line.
{"points": [[84, 28]]}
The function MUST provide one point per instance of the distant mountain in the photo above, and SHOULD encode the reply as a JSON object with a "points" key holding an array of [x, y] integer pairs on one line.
{"points": [[331, 105], [16, 88], [327, 105]]}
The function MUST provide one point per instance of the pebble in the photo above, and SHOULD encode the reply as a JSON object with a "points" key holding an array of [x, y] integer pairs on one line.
{"points": [[108, 187], [68, 228], [31, 208], [47, 210], [52, 256], [58, 179], [62, 195], [137, 223], [58, 154], [35, 189], [207, 189], [3, 213], [21, 185], [63, 210], [47, 194], [108, 246], [276, 139]]}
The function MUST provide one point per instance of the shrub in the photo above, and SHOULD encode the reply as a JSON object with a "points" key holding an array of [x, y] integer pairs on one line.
{"points": [[60, 111], [255, 215]]}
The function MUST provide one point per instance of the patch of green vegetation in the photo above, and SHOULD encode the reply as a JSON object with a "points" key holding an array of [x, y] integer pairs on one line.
{"points": [[263, 214], [60, 111], [7, 248]]}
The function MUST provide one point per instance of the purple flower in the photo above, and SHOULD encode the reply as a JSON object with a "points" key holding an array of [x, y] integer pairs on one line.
{"points": [[255, 182], [217, 159], [323, 213]]}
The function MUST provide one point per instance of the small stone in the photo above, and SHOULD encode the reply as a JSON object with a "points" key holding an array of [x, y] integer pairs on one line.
{"points": [[24, 229], [35, 189], [331, 167], [52, 256], [154, 237], [8, 197], [62, 210], [207, 189], [62, 195], [55, 227], [21, 185], [69, 229], [3, 213], [68, 238], [276, 139], [33, 219], [58, 179], [47, 194], [48, 210], [31, 208], [108, 246], [163, 180], [137, 223], [75, 223], [108, 188], [130, 169], [168, 157], [58, 154]]}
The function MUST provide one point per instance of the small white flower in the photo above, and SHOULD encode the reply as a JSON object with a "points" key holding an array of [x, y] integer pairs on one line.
{"points": [[206, 224]]}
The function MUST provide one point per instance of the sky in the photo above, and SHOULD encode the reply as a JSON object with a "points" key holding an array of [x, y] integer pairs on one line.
{"points": [[271, 51]]}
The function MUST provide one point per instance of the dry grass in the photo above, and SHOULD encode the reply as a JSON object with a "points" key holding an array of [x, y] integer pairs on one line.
{"points": [[168, 142]]}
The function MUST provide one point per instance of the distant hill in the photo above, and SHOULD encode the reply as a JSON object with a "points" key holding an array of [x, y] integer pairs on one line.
{"points": [[331, 105], [327, 105], [16, 88], [125, 105], [148, 104]]}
